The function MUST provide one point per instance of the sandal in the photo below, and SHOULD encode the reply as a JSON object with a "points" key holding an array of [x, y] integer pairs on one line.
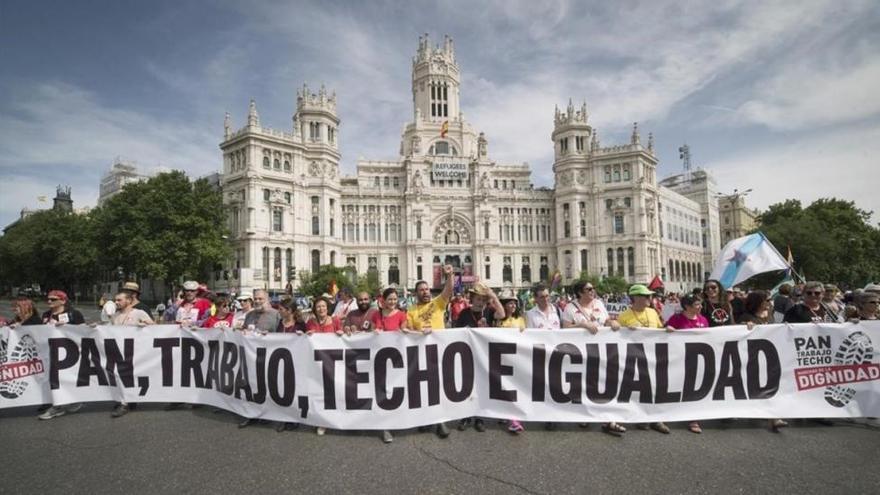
{"points": [[613, 429], [694, 427], [661, 427]]}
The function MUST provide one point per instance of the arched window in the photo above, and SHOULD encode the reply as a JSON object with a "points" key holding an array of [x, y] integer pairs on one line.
{"points": [[276, 271], [316, 225], [287, 165], [418, 229], [333, 258], [620, 272], [526, 272], [266, 162], [671, 271], [276, 164]]}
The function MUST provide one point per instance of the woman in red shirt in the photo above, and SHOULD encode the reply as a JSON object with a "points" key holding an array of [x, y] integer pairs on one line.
{"points": [[389, 318], [321, 321], [223, 317]]}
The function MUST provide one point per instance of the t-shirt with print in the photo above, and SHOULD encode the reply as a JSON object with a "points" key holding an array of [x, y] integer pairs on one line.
{"points": [[577, 313], [428, 315], [360, 319], [469, 319]]}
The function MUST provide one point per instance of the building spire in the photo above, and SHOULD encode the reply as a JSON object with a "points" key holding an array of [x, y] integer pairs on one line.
{"points": [[635, 135], [227, 125], [594, 143], [651, 142], [253, 116]]}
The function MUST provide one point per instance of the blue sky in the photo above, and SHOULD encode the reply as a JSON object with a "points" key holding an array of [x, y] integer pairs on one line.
{"points": [[780, 97]]}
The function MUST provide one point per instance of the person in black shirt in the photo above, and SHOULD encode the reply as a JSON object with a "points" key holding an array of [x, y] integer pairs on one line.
{"points": [[716, 308], [485, 310], [811, 309], [60, 311]]}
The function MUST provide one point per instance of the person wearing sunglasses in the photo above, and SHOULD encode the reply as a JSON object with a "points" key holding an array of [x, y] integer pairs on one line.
{"points": [[716, 307], [60, 311], [810, 309], [867, 306]]}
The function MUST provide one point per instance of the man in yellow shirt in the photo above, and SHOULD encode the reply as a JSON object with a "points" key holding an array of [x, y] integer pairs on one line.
{"points": [[640, 314], [427, 314]]}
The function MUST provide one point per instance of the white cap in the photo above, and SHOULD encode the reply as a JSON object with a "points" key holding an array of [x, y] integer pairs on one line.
{"points": [[245, 296]]}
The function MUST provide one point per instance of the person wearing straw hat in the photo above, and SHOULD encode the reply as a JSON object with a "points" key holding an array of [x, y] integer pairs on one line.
{"points": [[134, 290]]}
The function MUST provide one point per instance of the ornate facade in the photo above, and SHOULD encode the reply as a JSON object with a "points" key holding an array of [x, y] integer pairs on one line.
{"points": [[444, 200]]}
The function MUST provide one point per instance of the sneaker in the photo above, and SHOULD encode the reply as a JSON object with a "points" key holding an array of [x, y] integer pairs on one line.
{"points": [[515, 427], [120, 410], [386, 436], [244, 422], [442, 431], [463, 424], [321, 431], [280, 426], [72, 408], [53, 412], [479, 425]]}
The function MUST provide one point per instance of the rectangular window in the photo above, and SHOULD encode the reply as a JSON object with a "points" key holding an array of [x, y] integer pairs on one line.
{"points": [[607, 173], [266, 194], [277, 220], [627, 202], [618, 224], [396, 182]]}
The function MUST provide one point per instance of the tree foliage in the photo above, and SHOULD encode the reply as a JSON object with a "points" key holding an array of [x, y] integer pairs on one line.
{"points": [[606, 285], [316, 283], [52, 248], [831, 240], [166, 228]]}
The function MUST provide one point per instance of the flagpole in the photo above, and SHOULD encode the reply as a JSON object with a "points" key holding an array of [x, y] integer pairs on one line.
{"points": [[795, 275]]}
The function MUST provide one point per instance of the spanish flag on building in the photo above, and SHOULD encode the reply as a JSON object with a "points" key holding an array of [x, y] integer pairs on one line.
{"points": [[444, 129]]}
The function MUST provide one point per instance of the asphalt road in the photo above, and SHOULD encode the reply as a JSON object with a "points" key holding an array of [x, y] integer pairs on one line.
{"points": [[198, 451]]}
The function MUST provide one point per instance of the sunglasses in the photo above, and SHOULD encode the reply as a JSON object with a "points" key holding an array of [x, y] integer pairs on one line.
{"points": [[53, 299], [813, 293], [189, 290], [711, 287], [588, 288]]}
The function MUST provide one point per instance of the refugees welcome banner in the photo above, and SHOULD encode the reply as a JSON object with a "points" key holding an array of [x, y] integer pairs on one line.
{"points": [[395, 381]]}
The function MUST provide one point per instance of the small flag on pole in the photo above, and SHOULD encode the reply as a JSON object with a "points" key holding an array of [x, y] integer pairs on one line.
{"points": [[746, 257], [444, 129]]}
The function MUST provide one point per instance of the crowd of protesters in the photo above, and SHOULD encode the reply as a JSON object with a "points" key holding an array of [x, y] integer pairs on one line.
{"points": [[710, 306]]}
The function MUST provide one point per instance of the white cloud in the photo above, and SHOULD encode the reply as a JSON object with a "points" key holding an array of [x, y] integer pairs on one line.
{"points": [[841, 165]]}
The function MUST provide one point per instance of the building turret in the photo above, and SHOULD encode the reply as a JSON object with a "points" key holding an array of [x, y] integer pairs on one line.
{"points": [[571, 132], [435, 82], [316, 117]]}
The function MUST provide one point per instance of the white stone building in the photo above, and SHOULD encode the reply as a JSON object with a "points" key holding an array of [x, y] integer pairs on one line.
{"points": [[121, 173], [443, 200]]}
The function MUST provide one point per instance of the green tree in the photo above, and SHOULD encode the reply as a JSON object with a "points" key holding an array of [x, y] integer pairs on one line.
{"points": [[167, 227], [52, 248], [369, 283], [831, 240], [319, 282], [606, 285]]}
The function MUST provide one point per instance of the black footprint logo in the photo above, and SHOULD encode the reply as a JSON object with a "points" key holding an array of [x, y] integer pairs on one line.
{"points": [[855, 349]]}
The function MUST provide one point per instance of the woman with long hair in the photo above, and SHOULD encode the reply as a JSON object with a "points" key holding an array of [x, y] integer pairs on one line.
{"points": [[322, 322], [291, 318], [389, 318], [25, 312], [689, 318], [512, 319], [716, 307], [758, 310]]}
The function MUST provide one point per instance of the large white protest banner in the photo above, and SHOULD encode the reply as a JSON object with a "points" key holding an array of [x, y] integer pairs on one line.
{"points": [[393, 380]]}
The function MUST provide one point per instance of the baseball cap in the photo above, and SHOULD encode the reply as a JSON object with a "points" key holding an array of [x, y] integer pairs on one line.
{"points": [[244, 296], [639, 290]]}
